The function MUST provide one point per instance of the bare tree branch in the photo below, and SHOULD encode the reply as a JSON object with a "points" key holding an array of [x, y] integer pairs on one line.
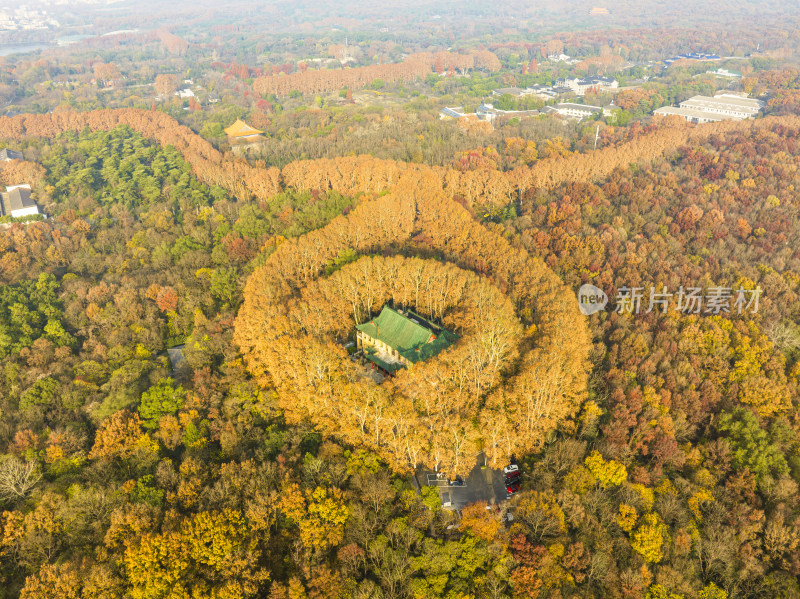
{"points": [[17, 478]]}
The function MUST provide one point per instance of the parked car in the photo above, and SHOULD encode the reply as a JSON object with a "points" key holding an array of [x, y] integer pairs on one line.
{"points": [[512, 478]]}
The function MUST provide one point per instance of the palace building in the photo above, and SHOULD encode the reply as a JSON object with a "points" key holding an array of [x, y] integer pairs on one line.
{"points": [[241, 132], [397, 339]]}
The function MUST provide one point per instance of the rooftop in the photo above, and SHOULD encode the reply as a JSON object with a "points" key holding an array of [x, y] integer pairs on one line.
{"points": [[16, 198], [453, 111], [586, 80], [490, 109], [241, 129], [747, 103], [581, 107], [414, 337], [691, 113], [514, 91], [6, 154], [725, 73]]}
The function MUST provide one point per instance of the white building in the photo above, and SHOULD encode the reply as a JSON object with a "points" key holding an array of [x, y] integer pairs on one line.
{"points": [[577, 111], [17, 202], [706, 109], [540, 91], [690, 114], [728, 105], [582, 85], [561, 58], [487, 112], [725, 73]]}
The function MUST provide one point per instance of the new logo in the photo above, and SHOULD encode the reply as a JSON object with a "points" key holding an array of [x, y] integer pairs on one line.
{"points": [[591, 299]]}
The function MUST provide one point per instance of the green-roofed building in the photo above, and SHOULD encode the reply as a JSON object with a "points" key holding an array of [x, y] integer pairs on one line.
{"points": [[398, 339]]}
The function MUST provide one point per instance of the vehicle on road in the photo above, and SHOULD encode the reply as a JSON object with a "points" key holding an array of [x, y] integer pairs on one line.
{"points": [[512, 479]]}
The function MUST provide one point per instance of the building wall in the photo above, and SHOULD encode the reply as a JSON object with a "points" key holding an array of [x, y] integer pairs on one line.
{"points": [[25, 212], [580, 88], [720, 106], [723, 109], [364, 341], [573, 112], [700, 115]]}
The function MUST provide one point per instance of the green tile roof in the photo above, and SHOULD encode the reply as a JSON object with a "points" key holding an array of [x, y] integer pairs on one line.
{"points": [[410, 334]]}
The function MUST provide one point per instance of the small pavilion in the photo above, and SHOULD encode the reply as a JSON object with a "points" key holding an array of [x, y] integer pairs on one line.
{"points": [[241, 132]]}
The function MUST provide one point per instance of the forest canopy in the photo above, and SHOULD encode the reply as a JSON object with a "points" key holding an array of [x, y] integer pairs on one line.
{"points": [[661, 460], [518, 370]]}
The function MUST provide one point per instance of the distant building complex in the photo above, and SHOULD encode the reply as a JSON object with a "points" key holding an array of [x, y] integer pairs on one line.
{"points": [[582, 85], [20, 17], [576, 85], [397, 339], [699, 56], [579, 86], [706, 109], [484, 112]]}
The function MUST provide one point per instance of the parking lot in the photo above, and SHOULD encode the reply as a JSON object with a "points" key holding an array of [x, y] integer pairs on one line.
{"points": [[482, 484]]}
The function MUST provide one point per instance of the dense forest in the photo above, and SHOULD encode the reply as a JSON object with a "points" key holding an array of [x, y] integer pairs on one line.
{"points": [[180, 413], [519, 368], [116, 462]]}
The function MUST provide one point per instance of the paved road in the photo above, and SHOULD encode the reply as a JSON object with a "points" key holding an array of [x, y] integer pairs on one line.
{"points": [[482, 484]]}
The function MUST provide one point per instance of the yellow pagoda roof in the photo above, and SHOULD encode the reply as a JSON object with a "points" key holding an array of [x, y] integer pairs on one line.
{"points": [[241, 129]]}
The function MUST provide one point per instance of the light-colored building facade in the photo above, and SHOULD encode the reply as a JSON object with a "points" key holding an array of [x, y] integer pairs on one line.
{"points": [[544, 92], [577, 111], [721, 107], [562, 58], [581, 85], [690, 114], [730, 106]]}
